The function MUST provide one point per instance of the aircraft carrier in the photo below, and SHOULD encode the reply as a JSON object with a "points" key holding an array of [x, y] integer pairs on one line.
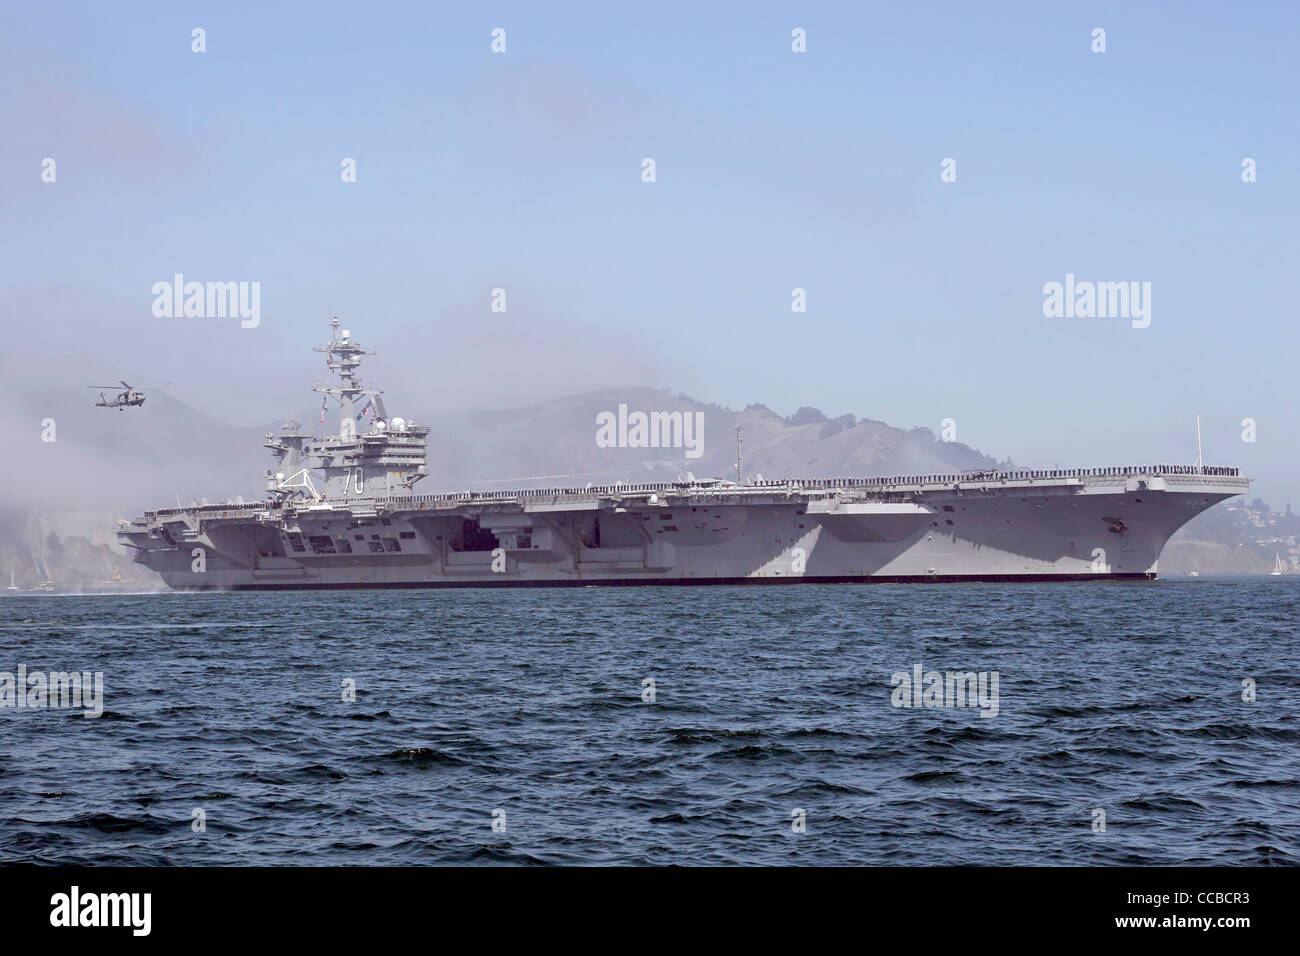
{"points": [[342, 512]]}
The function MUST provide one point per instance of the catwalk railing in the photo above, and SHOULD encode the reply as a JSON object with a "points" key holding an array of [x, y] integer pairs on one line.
{"points": [[721, 486]]}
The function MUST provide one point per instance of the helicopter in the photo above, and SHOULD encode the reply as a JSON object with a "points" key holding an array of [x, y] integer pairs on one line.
{"points": [[128, 396]]}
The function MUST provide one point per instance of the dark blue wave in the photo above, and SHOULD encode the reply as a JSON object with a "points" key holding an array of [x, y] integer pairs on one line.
{"points": [[525, 708]]}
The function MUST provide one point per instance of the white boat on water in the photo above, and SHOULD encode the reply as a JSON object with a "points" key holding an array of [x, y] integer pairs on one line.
{"points": [[1277, 564], [12, 586]]}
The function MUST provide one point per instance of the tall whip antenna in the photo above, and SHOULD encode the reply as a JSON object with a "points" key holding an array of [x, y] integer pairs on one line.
{"points": [[1200, 461], [738, 477]]}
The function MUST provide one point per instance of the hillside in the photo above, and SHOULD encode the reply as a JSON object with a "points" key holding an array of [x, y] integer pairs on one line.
{"points": [[165, 451]]}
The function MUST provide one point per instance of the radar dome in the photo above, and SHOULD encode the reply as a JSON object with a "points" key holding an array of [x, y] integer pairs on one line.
{"points": [[398, 424]]}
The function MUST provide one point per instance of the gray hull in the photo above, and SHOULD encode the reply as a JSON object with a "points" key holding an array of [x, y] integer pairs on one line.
{"points": [[1064, 525]]}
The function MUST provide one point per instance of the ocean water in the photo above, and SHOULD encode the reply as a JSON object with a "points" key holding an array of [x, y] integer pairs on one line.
{"points": [[526, 707]]}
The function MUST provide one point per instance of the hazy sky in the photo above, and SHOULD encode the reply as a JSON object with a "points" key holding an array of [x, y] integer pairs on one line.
{"points": [[775, 170]]}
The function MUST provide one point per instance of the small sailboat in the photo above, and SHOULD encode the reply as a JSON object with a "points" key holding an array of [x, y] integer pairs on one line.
{"points": [[12, 586], [1193, 573], [43, 575], [1277, 564]]}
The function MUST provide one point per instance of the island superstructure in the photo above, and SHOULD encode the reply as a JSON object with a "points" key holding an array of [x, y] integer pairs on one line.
{"points": [[342, 512]]}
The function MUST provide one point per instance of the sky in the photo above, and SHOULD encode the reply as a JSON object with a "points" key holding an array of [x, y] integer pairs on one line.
{"points": [[774, 170]]}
